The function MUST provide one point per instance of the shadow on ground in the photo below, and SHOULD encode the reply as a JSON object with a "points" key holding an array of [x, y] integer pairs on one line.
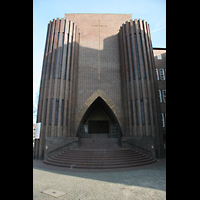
{"points": [[153, 176]]}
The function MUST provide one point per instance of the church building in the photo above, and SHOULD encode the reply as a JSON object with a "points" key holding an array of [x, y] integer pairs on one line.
{"points": [[101, 78]]}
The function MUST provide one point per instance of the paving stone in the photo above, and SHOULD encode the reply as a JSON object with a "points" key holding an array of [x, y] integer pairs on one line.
{"points": [[54, 193], [149, 183]]}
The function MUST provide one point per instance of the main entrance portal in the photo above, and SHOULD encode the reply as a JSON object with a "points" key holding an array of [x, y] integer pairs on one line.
{"points": [[98, 126], [99, 121]]}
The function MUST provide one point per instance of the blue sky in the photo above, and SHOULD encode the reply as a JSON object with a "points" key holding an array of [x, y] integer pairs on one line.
{"points": [[152, 11]]}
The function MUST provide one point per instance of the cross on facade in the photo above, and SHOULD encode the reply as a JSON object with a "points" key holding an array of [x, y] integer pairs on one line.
{"points": [[99, 45]]}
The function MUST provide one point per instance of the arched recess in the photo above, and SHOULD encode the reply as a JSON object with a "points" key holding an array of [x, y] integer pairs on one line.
{"points": [[99, 97]]}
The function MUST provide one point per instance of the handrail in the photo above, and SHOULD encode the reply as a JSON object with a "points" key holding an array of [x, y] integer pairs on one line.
{"points": [[56, 150], [138, 147]]}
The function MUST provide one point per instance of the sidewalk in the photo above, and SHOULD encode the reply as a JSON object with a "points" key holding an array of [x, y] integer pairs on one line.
{"points": [[51, 182]]}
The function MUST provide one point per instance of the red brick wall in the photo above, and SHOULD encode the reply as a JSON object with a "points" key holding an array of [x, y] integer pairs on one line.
{"points": [[99, 49]]}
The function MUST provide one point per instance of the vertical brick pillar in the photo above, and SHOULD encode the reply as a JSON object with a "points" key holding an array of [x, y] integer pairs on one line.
{"points": [[139, 83], [57, 85]]}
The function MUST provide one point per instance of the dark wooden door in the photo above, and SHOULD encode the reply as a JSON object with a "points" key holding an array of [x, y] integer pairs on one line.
{"points": [[98, 126]]}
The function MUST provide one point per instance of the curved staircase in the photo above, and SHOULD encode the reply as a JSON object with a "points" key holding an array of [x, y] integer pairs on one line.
{"points": [[92, 154]]}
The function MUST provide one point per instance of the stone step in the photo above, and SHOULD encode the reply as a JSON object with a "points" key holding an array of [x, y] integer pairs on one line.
{"points": [[99, 153], [99, 143], [90, 166], [98, 163], [102, 160], [96, 160]]}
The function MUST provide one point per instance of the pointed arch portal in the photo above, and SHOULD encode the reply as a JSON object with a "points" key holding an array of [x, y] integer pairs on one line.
{"points": [[99, 114]]}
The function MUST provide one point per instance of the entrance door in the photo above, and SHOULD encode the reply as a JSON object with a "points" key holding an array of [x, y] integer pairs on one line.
{"points": [[98, 126]]}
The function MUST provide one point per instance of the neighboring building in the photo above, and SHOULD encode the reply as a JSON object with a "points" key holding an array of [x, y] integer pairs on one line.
{"points": [[98, 80], [160, 63]]}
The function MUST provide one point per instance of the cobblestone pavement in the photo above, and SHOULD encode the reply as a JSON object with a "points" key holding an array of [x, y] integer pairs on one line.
{"points": [[142, 184]]}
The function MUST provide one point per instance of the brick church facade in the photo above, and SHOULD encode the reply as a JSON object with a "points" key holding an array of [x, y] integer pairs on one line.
{"points": [[101, 77]]}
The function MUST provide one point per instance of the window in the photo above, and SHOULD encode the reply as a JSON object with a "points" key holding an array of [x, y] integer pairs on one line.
{"points": [[153, 106], [160, 95], [128, 58], [132, 112], [142, 108], [67, 113], [137, 111], [51, 111], [137, 56], [45, 112], [70, 59], [56, 57], [132, 56], [148, 112], [144, 73], [164, 95], [159, 56], [61, 56], [162, 74], [56, 115], [51, 55], [163, 120], [62, 107], [65, 56], [157, 74]]}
